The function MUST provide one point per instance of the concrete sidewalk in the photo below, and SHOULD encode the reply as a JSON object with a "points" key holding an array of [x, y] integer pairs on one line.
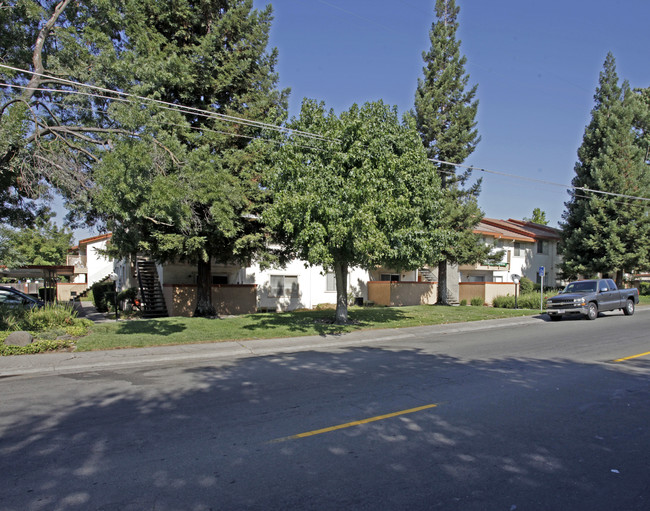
{"points": [[77, 362], [87, 310]]}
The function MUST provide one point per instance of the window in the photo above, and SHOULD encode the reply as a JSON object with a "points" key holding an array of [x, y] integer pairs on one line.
{"points": [[392, 277], [219, 279], [330, 285], [9, 298], [283, 285], [497, 278], [518, 251], [542, 247], [476, 278]]}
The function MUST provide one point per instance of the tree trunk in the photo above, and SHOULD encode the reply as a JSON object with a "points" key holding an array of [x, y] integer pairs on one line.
{"points": [[341, 274], [443, 295], [619, 279], [204, 290]]}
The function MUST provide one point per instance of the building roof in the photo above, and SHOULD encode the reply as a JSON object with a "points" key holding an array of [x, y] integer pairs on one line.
{"points": [[516, 230], [100, 237]]}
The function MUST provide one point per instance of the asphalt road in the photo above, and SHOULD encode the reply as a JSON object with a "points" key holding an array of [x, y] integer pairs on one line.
{"points": [[538, 416]]}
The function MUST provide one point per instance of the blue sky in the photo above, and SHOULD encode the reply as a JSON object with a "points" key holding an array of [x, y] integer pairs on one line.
{"points": [[536, 65]]}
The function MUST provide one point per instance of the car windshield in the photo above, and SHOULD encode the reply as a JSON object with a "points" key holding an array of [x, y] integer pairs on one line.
{"points": [[581, 287]]}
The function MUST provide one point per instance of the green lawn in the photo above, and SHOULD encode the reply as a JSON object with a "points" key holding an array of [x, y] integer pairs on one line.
{"points": [[165, 331]]}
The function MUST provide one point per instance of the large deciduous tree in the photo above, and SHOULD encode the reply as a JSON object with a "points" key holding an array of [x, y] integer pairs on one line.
{"points": [[364, 198], [608, 232], [445, 113], [42, 244], [50, 136]]}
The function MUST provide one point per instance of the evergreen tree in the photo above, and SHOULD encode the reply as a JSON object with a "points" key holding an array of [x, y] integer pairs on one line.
{"points": [[539, 217], [445, 113], [189, 188], [176, 182], [607, 232]]}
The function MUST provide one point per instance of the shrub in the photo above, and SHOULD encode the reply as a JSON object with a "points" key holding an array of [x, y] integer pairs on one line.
{"points": [[644, 288], [49, 317], [463, 302], [477, 301], [525, 285], [53, 318], [35, 347], [128, 294], [103, 295], [11, 317], [527, 301], [504, 302], [46, 294]]}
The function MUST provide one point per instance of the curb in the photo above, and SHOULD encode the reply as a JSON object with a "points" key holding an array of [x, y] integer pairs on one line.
{"points": [[76, 362]]}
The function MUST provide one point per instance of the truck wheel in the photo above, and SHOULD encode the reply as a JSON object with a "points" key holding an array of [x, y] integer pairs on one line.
{"points": [[592, 311], [628, 310]]}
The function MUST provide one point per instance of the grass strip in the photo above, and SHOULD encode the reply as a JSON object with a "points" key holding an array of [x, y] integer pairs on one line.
{"points": [[177, 330]]}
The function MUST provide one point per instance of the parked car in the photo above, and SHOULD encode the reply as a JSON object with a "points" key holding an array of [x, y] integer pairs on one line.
{"points": [[589, 297], [10, 297]]}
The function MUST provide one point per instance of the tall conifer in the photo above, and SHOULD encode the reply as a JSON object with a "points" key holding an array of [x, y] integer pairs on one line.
{"points": [[605, 232], [445, 112]]}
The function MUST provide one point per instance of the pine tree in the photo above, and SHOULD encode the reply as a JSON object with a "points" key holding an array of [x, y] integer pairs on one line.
{"points": [[605, 232], [188, 189], [445, 112]]}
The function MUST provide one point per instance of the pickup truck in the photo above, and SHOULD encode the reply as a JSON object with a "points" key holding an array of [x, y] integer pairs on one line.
{"points": [[589, 297]]}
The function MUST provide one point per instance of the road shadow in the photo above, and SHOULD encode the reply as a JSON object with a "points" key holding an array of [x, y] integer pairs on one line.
{"points": [[514, 433]]}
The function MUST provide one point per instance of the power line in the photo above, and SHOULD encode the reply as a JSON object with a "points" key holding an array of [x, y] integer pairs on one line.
{"points": [[183, 108], [180, 108], [227, 118], [540, 181]]}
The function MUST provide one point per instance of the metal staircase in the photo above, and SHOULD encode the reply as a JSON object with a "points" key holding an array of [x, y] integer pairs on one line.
{"points": [[153, 301], [427, 274]]}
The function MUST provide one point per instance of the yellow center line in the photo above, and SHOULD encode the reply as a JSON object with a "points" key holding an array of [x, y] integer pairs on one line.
{"points": [[354, 423], [632, 356]]}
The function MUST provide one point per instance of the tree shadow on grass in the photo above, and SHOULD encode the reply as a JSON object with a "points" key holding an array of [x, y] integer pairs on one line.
{"points": [[322, 321], [164, 327]]}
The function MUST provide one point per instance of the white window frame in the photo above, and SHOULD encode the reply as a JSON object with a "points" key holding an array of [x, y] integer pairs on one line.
{"points": [[330, 282], [283, 285]]}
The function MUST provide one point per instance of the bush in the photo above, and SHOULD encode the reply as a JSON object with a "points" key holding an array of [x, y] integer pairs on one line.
{"points": [[45, 323], [477, 301], [103, 295], [525, 285], [128, 294], [35, 347], [644, 288], [46, 294], [463, 302], [527, 301]]}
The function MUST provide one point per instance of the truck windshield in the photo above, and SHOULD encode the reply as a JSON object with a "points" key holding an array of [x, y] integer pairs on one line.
{"points": [[581, 287]]}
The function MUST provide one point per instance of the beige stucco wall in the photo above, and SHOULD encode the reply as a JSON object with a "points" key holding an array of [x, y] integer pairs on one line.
{"points": [[396, 294], [64, 290], [379, 293], [486, 290], [226, 298]]}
